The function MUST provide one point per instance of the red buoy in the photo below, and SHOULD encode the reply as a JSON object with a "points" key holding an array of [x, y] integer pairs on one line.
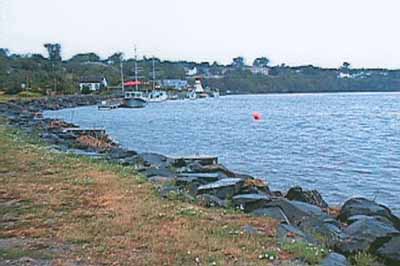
{"points": [[257, 116]]}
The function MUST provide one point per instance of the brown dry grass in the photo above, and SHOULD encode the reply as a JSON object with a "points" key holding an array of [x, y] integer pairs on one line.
{"points": [[113, 217]]}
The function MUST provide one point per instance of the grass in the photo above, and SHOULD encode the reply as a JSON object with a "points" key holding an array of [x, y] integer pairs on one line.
{"points": [[112, 216], [309, 253], [363, 259], [25, 95], [9, 254]]}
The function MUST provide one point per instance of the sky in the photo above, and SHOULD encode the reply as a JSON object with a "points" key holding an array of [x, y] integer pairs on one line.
{"points": [[295, 32]]}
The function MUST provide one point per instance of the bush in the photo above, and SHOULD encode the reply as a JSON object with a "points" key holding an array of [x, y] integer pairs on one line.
{"points": [[86, 90], [29, 94]]}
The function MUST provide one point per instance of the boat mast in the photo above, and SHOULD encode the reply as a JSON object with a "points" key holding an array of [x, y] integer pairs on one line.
{"points": [[154, 74], [136, 69], [122, 77]]}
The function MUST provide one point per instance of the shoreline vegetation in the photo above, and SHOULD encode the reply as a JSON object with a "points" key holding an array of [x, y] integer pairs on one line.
{"points": [[53, 74], [128, 207]]}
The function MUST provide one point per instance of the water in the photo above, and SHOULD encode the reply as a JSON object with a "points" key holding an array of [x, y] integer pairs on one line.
{"points": [[340, 144]]}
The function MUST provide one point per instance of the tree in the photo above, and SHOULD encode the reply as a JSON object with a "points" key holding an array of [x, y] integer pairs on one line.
{"points": [[115, 58], [54, 51], [84, 58], [261, 62], [346, 65], [4, 52], [238, 62]]}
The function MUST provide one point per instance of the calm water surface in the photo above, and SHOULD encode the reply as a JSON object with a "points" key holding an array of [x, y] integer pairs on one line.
{"points": [[341, 144]]}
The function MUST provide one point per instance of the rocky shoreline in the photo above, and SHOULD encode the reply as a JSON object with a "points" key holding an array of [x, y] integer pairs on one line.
{"points": [[360, 225]]}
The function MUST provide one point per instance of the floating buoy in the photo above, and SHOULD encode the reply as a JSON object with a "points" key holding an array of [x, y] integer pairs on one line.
{"points": [[257, 116]]}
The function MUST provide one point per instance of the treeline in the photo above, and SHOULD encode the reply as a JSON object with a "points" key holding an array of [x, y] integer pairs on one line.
{"points": [[40, 73], [302, 80]]}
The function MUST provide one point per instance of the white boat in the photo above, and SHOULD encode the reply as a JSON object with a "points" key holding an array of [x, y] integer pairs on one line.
{"points": [[157, 96], [134, 99]]}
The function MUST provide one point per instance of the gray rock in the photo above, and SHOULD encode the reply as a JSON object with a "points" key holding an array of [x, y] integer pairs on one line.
{"points": [[207, 200], [362, 233], [224, 188], [159, 180], [119, 153], [325, 233], [200, 178], [250, 202], [156, 160], [287, 234], [390, 250], [312, 197], [167, 191], [155, 171], [362, 206], [297, 211], [335, 259], [212, 168], [272, 212], [251, 230]]}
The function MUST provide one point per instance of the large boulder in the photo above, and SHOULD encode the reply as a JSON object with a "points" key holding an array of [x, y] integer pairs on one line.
{"points": [[250, 202], [120, 153], [388, 248], [311, 196], [287, 234], [223, 189], [271, 212], [207, 200], [211, 168], [362, 233], [362, 206], [297, 211], [323, 231], [156, 160], [310, 219]]}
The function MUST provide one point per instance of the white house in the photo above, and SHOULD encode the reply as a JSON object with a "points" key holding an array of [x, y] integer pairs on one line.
{"points": [[93, 83]]}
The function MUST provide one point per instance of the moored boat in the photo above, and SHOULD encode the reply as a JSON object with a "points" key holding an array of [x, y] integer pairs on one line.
{"points": [[134, 99]]}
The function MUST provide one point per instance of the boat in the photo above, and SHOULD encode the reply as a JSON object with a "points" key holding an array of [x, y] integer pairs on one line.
{"points": [[106, 105], [198, 91], [191, 95], [173, 97], [134, 99], [157, 96]]}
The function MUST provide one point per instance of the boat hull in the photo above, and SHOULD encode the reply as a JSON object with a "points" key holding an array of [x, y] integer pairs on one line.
{"points": [[134, 103]]}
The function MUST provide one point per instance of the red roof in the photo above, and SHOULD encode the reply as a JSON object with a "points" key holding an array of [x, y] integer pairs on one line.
{"points": [[132, 83]]}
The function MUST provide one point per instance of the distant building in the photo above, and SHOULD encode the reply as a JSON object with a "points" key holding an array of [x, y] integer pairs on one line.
{"points": [[177, 84], [93, 83]]}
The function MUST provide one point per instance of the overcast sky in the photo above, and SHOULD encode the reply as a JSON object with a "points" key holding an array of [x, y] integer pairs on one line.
{"points": [[295, 32]]}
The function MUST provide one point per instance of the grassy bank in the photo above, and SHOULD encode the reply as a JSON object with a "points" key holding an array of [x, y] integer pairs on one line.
{"points": [[70, 208]]}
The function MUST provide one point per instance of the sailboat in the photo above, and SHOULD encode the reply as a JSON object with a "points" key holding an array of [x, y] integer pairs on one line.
{"points": [[156, 95], [134, 99]]}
